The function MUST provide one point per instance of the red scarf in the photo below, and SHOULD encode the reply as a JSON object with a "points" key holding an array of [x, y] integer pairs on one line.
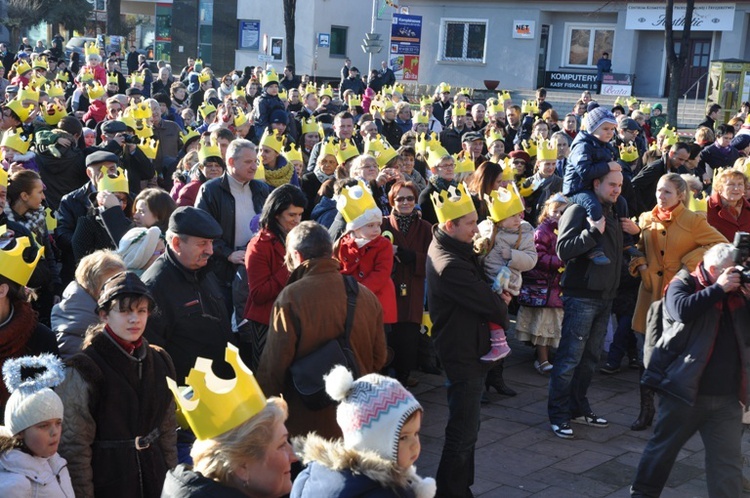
{"points": [[663, 214], [128, 346]]}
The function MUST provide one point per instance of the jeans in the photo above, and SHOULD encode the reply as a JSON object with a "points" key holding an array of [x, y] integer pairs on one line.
{"points": [[719, 421], [455, 473], [583, 329], [623, 340]]}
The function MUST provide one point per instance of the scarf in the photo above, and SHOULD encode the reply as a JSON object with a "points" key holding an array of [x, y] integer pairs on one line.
{"points": [[735, 210], [404, 221], [442, 183], [34, 221], [128, 346], [278, 177], [663, 214], [321, 176]]}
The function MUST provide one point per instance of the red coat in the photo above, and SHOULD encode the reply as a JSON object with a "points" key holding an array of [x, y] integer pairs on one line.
{"points": [[371, 265], [97, 111], [266, 275], [188, 193], [719, 217]]}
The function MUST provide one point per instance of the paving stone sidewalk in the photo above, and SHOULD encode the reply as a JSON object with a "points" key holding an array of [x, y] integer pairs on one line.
{"points": [[517, 454]]}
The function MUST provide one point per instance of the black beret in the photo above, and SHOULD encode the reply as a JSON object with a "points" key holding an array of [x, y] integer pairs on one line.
{"points": [[101, 156], [125, 282], [113, 126], [187, 220], [472, 136], [132, 91]]}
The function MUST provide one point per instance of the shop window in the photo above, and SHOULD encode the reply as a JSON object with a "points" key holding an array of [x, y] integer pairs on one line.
{"points": [[338, 41], [463, 40], [585, 44]]}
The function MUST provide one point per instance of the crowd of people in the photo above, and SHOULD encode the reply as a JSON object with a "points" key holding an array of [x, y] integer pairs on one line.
{"points": [[234, 233]]}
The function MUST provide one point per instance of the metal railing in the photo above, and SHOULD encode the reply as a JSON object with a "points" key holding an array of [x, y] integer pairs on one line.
{"points": [[697, 86]]}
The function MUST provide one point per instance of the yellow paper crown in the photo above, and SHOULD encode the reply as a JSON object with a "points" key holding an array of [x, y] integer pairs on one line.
{"points": [[22, 67], [383, 157], [546, 151], [293, 153], [452, 204], [387, 104], [37, 81], [274, 141], [90, 49], [398, 87], [354, 101], [508, 174], [425, 100], [112, 78], [219, 405], [283, 95], [628, 153], [260, 172], [460, 109], [190, 133], [646, 108], [210, 150], [16, 263], [529, 107], [96, 91], [426, 327], [204, 76], [346, 150], [16, 140], [698, 205], [198, 64], [464, 164], [436, 153], [238, 92], [53, 113], [129, 120], [373, 144], [117, 183], [137, 79], [86, 75], [420, 146], [493, 136], [206, 109], [29, 93], [240, 118], [50, 220], [620, 101], [632, 101], [329, 149], [149, 148], [311, 88], [504, 95], [495, 106], [422, 118], [309, 125], [61, 76], [530, 147], [355, 201], [269, 77], [386, 90], [17, 107], [40, 63], [141, 110], [326, 91], [3, 177], [503, 203], [444, 87], [144, 130], [54, 90]]}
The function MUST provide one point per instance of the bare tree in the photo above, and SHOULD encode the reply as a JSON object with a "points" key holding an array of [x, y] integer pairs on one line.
{"points": [[290, 9], [113, 17], [23, 14], [676, 60]]}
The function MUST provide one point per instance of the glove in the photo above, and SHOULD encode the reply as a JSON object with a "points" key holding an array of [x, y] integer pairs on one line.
{"points": [[501, 280], [406, 256]]}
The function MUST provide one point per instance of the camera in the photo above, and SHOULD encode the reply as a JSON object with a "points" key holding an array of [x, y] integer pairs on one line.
{"points": [[741, 254], [131, 139]]}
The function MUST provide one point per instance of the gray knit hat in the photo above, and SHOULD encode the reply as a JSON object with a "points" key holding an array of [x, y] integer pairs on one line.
{"points": [[597, 117]]}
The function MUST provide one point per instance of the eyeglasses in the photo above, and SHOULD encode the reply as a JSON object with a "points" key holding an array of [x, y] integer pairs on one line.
{"points": [[408, 198]]}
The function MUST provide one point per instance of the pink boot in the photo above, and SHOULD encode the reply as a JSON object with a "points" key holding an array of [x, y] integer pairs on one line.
{"points": [[499, 343]]}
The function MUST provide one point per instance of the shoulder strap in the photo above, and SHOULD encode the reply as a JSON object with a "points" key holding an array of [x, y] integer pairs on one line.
{"points": [[352, 290]]}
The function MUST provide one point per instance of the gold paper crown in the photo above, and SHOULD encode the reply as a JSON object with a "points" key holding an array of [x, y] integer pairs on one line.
{"points": [[504, 95], [238, 92], [3, 178], [495, 106], [346, 150], [54, 90], [293, 153], [529, 107], [90, 49], [628, 153], [386, 90], [269, 77], [129, 120], [112, 78], [354, 101], [62, 76], [444, 87], [37, 81], [464, 164], [452, 204], [422, 117], [620, 101], [53, 113], [467, 91], [204, 76], [646, 108], [117, 183], [309, 125], [326, 91], [137, 79], [546, 151], [219, 405], [311, 88], [632, 100], [373, 144], [50, 220], [355, 201], [493, 136], [87, 75], [96, 91], [529, 146], [40, 63], [22, 67], [383, 157], [16, 263], [29, 93], [198, 64], [206, 109], [398, 87], [503, 203], [260, 172], [274, 141], [283, 95], [17, 107], [144, 130], [16, 140], [387, 104], [698, 205], [508, 174], [329, 149], [149, 148], [241, 118], [426, 327], [206, 151], [460, 109], [425, 100], [420, 147], [141, 110], [190, 133], [436, 153]]}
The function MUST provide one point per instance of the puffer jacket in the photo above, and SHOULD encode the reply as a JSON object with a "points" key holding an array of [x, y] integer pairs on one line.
{"points": [[182, 482], [333, 471], [589, 159], [71, 317], [23, 475], [548, 263], [522, 248], [264, 106]]}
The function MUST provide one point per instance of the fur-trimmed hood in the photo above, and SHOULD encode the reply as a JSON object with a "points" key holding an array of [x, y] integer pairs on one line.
{"points": [[330, 463]]}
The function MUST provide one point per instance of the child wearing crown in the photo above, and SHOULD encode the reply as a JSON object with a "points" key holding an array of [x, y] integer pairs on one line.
{"points": [[119, 429], [16, 153], [507, 243], [363, 252], [29, 462], [544, 183]]}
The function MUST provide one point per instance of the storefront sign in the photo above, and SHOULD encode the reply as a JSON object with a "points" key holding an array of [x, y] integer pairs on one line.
{"points": [[706, 17], [617, 84], [249, 35], [565, 80], [406, 39], [523, 29]]}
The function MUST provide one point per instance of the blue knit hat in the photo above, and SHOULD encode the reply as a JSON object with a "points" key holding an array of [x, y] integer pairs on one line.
{"points": [[597, 117]]}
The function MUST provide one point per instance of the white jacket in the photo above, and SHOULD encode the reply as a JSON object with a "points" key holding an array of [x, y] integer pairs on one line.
{"points": [[522, 248], [26, 476]]}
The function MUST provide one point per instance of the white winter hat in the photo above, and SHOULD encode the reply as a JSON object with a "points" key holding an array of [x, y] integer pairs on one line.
{"points": [[372, 410], [138, 246], [31, 400]]}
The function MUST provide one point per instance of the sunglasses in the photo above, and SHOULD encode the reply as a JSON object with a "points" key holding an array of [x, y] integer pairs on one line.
{"points": [[408, 198]]}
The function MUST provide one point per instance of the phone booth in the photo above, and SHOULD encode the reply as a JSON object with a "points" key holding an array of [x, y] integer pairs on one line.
{"points": [[728, 86]]}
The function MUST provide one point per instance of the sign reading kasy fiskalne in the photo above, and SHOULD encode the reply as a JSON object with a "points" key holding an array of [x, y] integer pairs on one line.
{"points": [[566, 80]]}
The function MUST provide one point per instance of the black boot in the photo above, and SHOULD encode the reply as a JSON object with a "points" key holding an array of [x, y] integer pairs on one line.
{"points": [[495, 380], [646, 417]]}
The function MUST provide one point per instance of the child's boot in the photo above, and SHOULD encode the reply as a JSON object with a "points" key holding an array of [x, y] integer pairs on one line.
{"points": [[597, 256], [499, 343]]}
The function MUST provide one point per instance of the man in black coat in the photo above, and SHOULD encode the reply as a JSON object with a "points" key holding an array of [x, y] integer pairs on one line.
{"points": [[644, 183], [462, 304], [712, 114], [353, 83], [387, 77]]}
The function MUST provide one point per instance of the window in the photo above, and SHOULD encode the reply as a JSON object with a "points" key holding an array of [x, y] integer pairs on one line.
{"points": [[585, 43], [338, 41], [463, 39]]}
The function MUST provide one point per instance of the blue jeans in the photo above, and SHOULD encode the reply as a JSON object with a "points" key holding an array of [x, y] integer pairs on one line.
{"points": [[455, 474], [719, 421], [583, 329], [622, 340]]}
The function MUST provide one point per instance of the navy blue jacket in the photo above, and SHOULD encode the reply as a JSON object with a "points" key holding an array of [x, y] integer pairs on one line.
{"points": [[588, 160]]}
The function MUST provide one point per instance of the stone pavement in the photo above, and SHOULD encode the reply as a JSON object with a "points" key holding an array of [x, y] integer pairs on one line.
{"points": [[517, 454]]}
